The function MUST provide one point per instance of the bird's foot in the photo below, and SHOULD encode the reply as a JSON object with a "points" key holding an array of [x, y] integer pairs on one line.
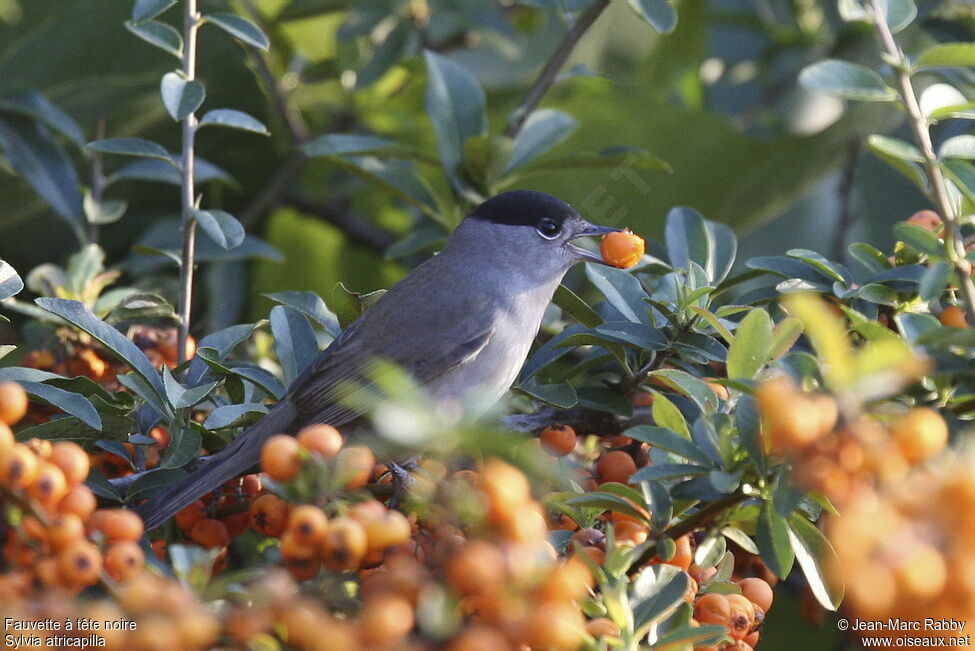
{"points": [[402, 480]]}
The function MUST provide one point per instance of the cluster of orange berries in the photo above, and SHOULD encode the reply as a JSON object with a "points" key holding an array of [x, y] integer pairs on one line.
{"points": [[907, 548], [838, 461], [53, 535]]}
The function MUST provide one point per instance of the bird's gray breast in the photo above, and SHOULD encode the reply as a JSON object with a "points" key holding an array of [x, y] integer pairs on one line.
{"points": [[487, 373]]}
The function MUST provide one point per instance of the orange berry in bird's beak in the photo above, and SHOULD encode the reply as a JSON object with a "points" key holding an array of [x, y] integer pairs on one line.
{"points": [[622, 249]]}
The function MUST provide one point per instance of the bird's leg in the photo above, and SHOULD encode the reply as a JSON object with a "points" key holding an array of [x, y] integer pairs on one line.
{"points": [[401, 480]]}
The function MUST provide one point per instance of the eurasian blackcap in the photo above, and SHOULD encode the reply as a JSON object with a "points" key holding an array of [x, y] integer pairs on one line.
{"points": [[461, 324]]}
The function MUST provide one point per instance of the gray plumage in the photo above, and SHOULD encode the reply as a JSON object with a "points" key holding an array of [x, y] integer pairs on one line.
{"points": [[461, 324]]}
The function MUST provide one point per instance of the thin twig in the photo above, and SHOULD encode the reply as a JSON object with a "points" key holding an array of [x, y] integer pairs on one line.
{"points": [[954, 245], [843, 193], [191, 23], [695, 521], [551, 70], [97, 180]]}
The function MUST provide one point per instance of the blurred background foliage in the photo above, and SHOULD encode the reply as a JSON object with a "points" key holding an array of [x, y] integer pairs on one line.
{"points": [[717, 99]]}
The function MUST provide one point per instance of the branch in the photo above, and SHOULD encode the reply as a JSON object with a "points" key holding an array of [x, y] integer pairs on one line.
{"points": [[551, 70], [954, 245], [191, 23], [691, 523]]}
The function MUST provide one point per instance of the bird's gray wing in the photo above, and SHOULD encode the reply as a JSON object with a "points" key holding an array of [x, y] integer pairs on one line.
{"points": [[424, 336]]}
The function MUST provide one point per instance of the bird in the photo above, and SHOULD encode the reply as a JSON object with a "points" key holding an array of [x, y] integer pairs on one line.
{"points": [[461, 324]]}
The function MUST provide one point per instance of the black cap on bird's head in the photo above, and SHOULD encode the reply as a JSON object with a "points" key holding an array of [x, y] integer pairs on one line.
{"points": [[552, 219]]}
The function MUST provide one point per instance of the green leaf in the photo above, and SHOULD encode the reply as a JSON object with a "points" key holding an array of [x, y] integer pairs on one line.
{"points": [[784, 336], [44, 165], [608, 502], [750, 349], [773, 538], [574, 306], [239, 28], [958, 147], [184, 446], [941, 99], [294, 341], [934, 281], [822, 264], [688, 239], [870, 257], [612, 158], [666, 414], [161, 35], [901, 156], [148, 9], [346, 144], [234, 415], [561, 395], [67, 401], [103, 212], [234, 120], [222, 227], [690, 386], [750, 431], [919, 239], [659, 14], [656, 593], [665, 439], [622, 290], [846, 80], [311, 305], [79, 315], [456, 105], [947, 55], [132, 147], [37, 107], [542, 130], [714, 322], [152, 483], [741, 539], [10, 283], [669, 471], [181, 96], [899, 13], [815, 554]]}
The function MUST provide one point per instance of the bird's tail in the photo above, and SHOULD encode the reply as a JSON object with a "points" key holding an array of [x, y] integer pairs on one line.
{"points": [[220, 468]]}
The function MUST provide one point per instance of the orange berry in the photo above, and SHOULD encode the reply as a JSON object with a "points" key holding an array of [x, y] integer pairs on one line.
{"points": [[344, 545], [323, 440], [159, 549], [622, 249], [926, 219], [210, 533], [953, 317], [307, 524], [124, 559], [742, 616], [568, 581], [80, 563], [72, 460], [49, 485], [631, 532], [385, 620], [615, 466], [393, 529], [117, 524], [558, 440], [18, 467], [189, 515], [683, 556], [279, 458], [555, 625], [79, 500], [920, 434], [65, 528], [354, 466], [478, 568], [505, 487], [719, 390], [758, 592], [6, 438], [479, 637], [13, 402], [713, 608], [268, 515]]}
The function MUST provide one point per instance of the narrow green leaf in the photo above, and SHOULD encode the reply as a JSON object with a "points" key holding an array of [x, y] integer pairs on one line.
{"points": [[543, 130], [456, 104], [148, 9], [234, 120], [774, 541], [659, 14], [665, 439], [240, 28], [947, 55], [815, 554], [666, 414], [132, 147], [750, 349], [69, 402], [934, 281], [10, 283], [184, 446], [575, 307], [161, 35], [222, 227], [234, 415]]}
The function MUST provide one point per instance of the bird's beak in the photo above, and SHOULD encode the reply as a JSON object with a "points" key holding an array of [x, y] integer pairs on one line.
{"points": [[589, 230]]}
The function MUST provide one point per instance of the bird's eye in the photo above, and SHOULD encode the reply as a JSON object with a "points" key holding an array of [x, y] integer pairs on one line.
{"points": [[549, 229]]}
